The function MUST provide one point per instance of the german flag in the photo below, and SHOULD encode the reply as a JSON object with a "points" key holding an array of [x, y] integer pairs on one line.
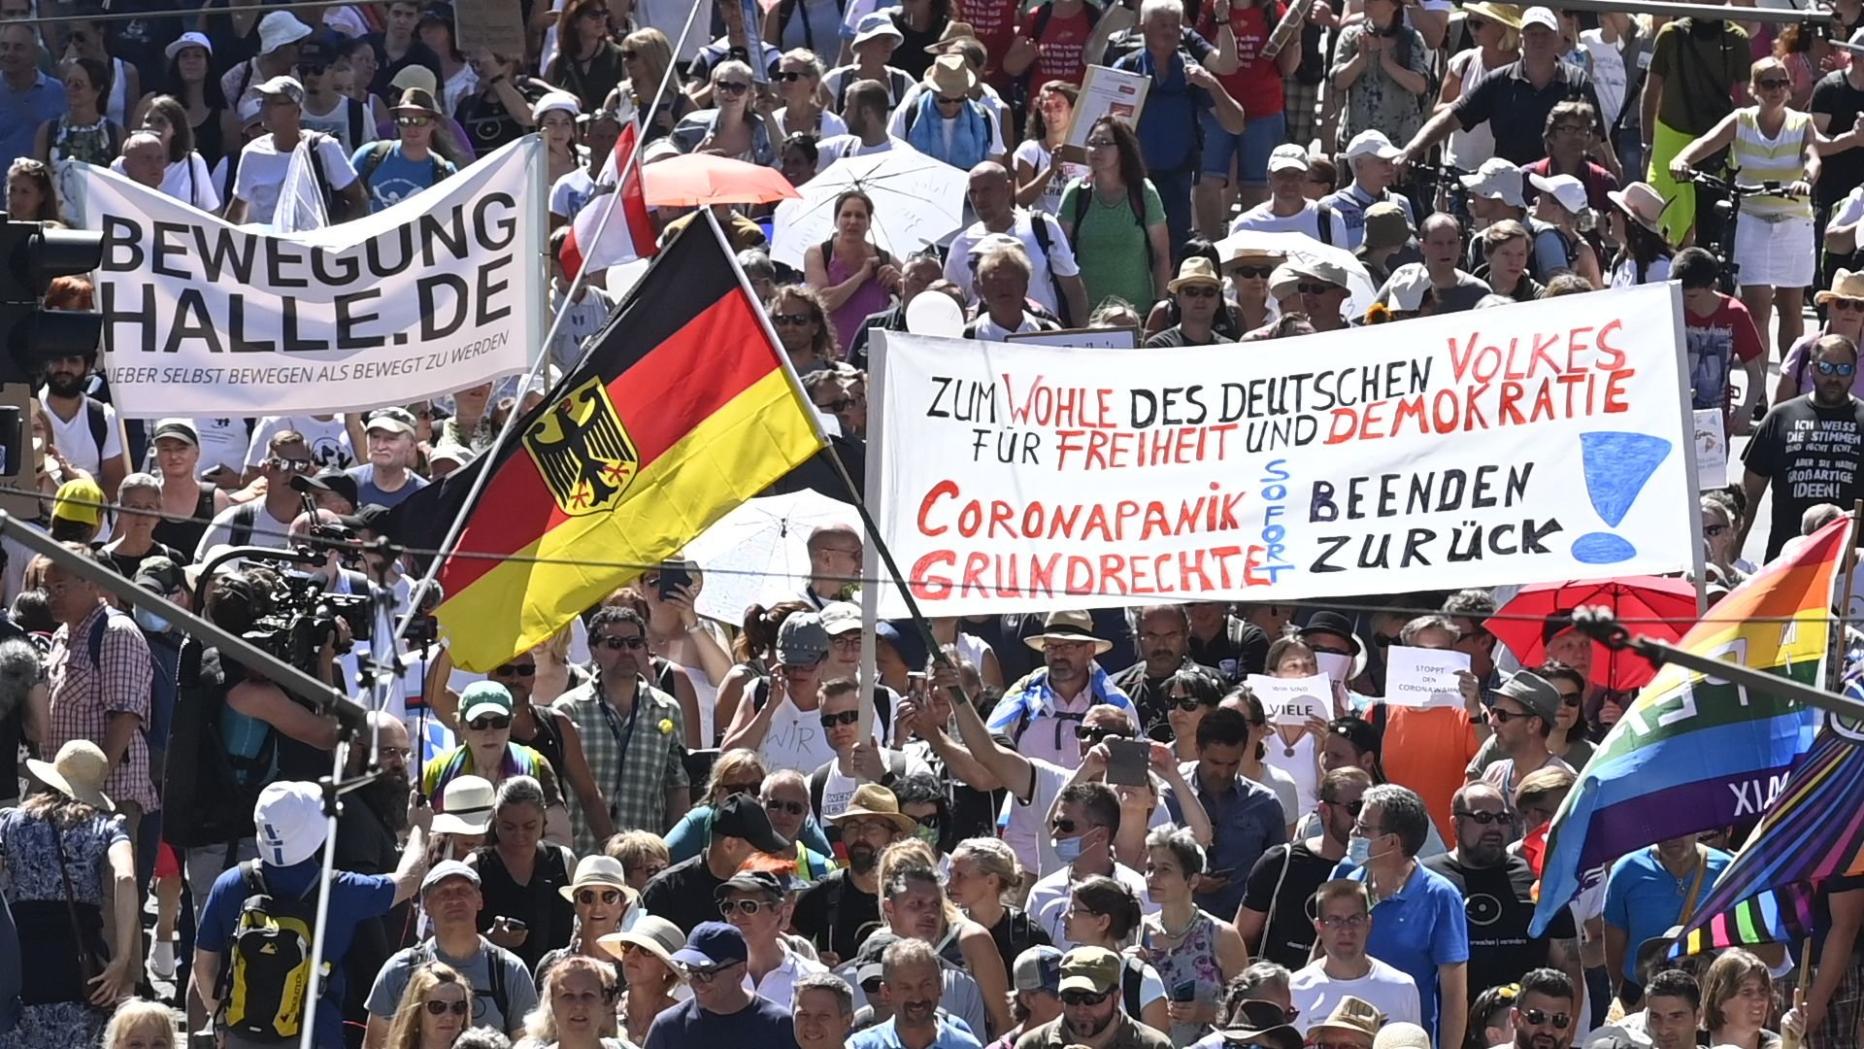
{"points": [[683, 409]]}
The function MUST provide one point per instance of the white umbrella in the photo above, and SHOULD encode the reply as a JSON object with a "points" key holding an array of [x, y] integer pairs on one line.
{"points": [[1360, 290], [917, 201], [758, 553]]}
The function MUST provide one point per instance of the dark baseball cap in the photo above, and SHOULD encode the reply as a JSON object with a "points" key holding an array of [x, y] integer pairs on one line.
{"points": [[330, 479], [743, 816], [180, 429], [712, 945], [762, 882]]}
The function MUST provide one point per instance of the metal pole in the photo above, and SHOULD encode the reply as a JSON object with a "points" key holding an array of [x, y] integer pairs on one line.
{"points": [[1605, 629], [582, 277], [320, 696], [1703, 12]]}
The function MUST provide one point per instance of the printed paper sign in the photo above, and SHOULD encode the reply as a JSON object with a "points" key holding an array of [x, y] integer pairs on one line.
{"points": [[434, 294], [1538, 442], [1293, 700], [1711, 449], [1424, 677], [1095, 338], [1105, 91], [1336, 666]]}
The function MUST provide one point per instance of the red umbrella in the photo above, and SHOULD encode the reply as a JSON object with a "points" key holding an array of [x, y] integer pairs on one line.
{"points": [[702, 178], [1655, 607]]}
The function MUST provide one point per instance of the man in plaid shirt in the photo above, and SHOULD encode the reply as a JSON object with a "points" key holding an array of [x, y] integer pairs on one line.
{"points": [[631, 732], [100, 676]]}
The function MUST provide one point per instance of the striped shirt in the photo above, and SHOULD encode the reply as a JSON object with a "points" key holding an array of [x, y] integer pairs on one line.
{"points": [[1777, 159]]}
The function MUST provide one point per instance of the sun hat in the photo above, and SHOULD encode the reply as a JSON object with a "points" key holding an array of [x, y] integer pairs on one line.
{"points": [[1068, 625], [1569, 191], [1195, 270], [876, 25], [873, 801], [653, 934], [286, 87], [465, 806], [78, 772], [448, 869], [1404, 289], [417, 100], [949, 76], [187, 40], [1351, 1014], [1507, 14], [1288, 155], [1095, 970], [280, 28], [180, 429], [289, 822], [416, 75], [79, 500], [1372, 143], [954, 33], [1846, 284], [1496, 179], [1642, 202], [605, 871]]}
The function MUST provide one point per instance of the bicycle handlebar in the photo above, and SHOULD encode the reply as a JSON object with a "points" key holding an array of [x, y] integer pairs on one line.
{"points": [[1771, 187]]}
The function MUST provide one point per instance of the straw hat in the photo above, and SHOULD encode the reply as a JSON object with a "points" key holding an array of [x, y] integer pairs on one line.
{"points": [[876, 801], [1195, 270], [1642, 202], [1846, 284], [602, 871], [954, 32], [78, 772], [1351, 1014], [1068, 626], [652, 933], [1507, 14], [950, 76]]}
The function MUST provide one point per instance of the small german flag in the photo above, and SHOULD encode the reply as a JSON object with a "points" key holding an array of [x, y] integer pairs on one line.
{"points": [[682, 410]]}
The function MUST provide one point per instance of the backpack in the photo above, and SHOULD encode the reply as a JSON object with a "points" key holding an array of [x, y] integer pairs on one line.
{"points": [[898, 84], [334, 205], [1324, 219], [378, 152], [1135, 196], [1026, 85], [202, 791], [239, 529], [1132, 977], [424, 955], [786, 10], [269, 973], [818, 780]]}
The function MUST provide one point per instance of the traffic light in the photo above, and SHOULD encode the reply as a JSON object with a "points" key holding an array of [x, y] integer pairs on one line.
{"points": [[31, 255]]}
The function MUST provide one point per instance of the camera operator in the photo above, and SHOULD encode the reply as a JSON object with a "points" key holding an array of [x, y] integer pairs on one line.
{"points": [[332, 577]]}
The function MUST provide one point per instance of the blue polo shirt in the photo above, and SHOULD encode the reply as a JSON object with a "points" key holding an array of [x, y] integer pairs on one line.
{"points": [[1170, 132], [1245, 820], [1418, 928], [354, 899], [21, 113], [953, 1033], [1644, 899]]}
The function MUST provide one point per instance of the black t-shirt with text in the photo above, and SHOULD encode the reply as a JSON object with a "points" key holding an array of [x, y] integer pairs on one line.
{"points": [[1810, 455], [836, 915], [1280, 885], [1499, 903]]}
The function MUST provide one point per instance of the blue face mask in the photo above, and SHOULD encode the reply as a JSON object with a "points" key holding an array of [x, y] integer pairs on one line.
{"points": [[150, 622], [1069, 849]]}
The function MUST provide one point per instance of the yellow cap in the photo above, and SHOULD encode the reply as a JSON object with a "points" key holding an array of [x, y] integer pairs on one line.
{"points": [[81, 501]]}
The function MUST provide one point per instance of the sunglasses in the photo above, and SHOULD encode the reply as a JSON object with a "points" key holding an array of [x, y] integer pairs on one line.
{"points": [[1100, 143], [794, 808], [837, 406], [794, 320], [1315, 289], [931, 819], [1835, 368], [1773, 83], [1848, 305], [1352, 807], [791, 76], [313, 70], [846, 717], [1188, 703], [705, 976], [485, 724], [733, 87], [616, 644], [1062, 825], [515, 670], [1095, 735], [413, 121], [1084, 997], [1535, 1018], [1253, 271], [301, 466], [1198, 291], [943, 101], [588, 897], [727, 907], [1571, 699], [436, 1008], [1486, 819], [1503, 717]]}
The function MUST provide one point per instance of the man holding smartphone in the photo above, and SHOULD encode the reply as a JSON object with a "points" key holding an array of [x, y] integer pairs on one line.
{"points": [[1245, 817]]}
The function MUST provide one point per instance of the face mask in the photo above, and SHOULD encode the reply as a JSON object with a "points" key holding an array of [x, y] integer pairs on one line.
{"points": [[929, 835], [1069, 849], [1358, 850], [150, 622]]}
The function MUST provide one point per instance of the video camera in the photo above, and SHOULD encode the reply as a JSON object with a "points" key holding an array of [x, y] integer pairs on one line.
{"points": [[300, 615]]}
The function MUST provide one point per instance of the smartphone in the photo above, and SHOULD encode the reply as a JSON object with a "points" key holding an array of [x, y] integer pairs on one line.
{"points": [[673, 575], [1184, 991], [513, 924], [1127, 760]]}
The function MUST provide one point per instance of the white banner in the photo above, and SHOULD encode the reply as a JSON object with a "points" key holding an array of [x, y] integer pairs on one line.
{"points": [[1530, 443], [439, 292]]}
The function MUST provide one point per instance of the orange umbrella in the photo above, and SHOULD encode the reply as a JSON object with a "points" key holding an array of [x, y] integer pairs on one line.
{"points": [[692, 179]]}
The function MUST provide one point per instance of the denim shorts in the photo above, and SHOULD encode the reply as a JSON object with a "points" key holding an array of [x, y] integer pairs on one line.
{"points": [[1259, 138]]}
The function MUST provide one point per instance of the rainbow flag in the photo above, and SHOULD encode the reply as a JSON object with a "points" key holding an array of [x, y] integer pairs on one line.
{"points": [[1813, 830], [1692, 752]]}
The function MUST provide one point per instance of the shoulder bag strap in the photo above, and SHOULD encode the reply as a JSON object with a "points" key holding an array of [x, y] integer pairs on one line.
{"points": [[1695, 885], [88, 964]]}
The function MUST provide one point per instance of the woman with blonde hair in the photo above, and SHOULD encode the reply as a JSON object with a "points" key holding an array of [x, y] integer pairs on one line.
{"points": [[576, 1007], [799, 85], [983, 879], [645, 951], [435, 1008], [647, 58], [140, 1024], [1737, 1002]]}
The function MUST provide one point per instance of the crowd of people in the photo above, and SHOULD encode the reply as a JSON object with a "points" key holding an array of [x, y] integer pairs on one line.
{"points": [[1034, 831]]}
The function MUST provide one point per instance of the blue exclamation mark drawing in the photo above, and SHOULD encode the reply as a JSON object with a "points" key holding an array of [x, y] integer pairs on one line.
{"points": [[1617, 466]]}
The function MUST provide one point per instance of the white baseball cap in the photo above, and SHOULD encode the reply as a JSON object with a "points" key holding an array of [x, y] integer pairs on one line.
{"points": [[1404, 289], [1569, 191], [876, 25], [1496, 179], [555, 102], [289, 821], [1372, 143], [185, 41], [1540, 16], [1288, 156]]}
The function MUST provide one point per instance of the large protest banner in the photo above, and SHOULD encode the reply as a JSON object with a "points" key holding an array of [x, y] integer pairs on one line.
{"points": [[1538, 442], [439, 292]]}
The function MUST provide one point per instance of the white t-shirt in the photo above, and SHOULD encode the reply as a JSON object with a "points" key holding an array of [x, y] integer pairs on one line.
{"points": [[1609, 79], [1058, 259], [569, 193], [1261, 219], [988, 330], [1279, 781], [328, 439], [335, 122], [1315, 993], [1031, 152], [1300, 768], [832, 125], [186, 180], [796, 740], [262, 172], [829, 150], [265, 530], [838, 789], [73, 439], [1049, 898], [1025, 827]]}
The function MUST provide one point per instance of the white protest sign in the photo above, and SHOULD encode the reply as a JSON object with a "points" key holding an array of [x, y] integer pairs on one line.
{"points": [[1087, 338], [1336, 666], [1711, 449], [1293, 700], [1535, 442], [437, 293], [1424, 677]]}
